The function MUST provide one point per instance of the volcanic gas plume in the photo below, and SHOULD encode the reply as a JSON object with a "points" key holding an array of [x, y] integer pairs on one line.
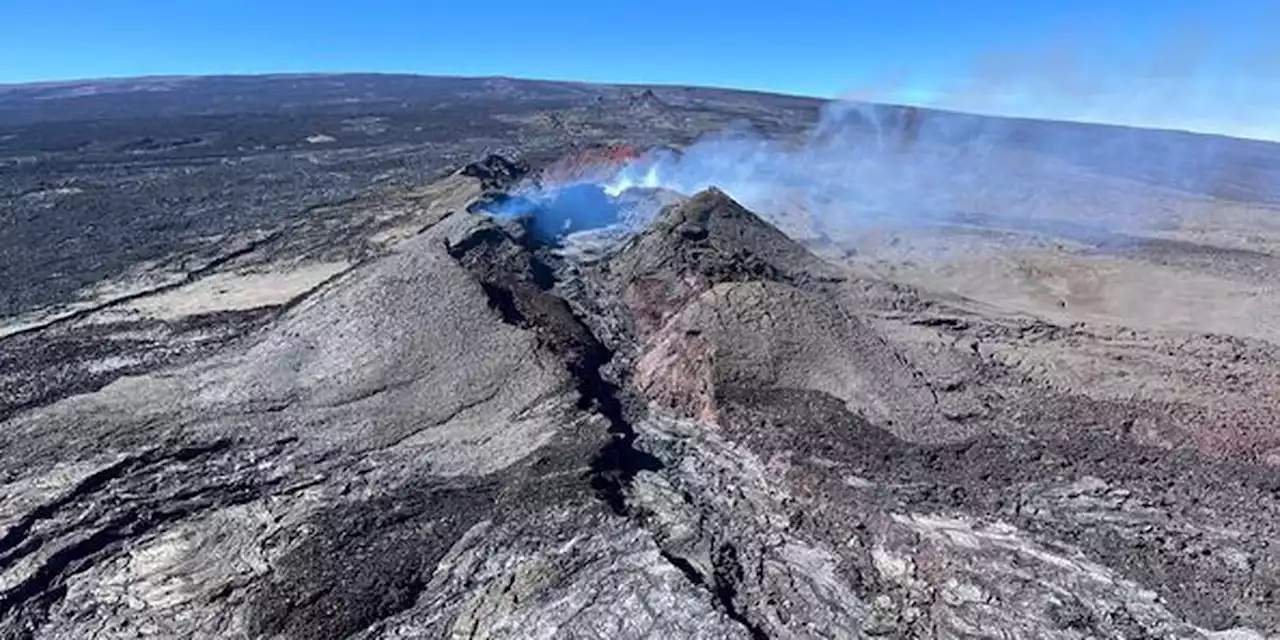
{"points": [[865, 165]]}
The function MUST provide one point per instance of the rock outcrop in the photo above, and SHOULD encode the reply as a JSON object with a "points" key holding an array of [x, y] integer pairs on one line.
{"points": [[495, 171]]}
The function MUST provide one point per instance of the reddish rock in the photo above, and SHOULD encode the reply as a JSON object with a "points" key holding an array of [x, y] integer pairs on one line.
{"points": [[593, 163]]}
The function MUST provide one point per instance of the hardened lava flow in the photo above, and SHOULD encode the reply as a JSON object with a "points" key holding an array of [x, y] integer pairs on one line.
{"points": [[697, 429]]}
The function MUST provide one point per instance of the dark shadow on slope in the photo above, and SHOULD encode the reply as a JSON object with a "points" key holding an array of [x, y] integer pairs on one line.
{"points": [[724, 589], [517, 282], [366, 561]]}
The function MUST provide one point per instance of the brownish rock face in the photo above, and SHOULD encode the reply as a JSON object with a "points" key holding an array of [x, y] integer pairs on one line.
{"points": [[595, 163], [677, 372], [654, 301]]}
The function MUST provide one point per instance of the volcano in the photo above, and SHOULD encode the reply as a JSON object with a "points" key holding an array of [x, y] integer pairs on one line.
{"points": [[712, 417], [433, 420]]}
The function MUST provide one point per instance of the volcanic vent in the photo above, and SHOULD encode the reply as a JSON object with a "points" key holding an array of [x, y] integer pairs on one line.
{"points": [[581, 201]]}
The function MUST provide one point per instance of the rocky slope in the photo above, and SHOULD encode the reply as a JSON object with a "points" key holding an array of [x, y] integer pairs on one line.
{"points": [[708, 433]]}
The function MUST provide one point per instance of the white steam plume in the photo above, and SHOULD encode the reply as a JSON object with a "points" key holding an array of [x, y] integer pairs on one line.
{"points": [[871, 164]]}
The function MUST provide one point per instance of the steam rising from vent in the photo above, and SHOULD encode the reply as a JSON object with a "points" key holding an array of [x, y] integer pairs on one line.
{"points": [[868, 161], [863, 164]]}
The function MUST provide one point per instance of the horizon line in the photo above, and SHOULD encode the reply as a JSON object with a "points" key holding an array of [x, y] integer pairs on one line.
{"points": [[59, 82]]}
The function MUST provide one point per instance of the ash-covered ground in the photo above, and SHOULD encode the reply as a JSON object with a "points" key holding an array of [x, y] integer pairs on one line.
{"points": [[393, 357]]}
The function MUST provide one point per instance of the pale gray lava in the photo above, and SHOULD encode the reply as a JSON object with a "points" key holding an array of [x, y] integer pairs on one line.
{"points": [[705, 430]]}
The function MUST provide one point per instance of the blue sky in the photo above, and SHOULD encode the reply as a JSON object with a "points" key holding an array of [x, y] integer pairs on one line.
{"points": [[1198, 64]]}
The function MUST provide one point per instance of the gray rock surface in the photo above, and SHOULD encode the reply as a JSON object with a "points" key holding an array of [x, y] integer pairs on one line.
{"points": [[437, 444], [454, 430]]}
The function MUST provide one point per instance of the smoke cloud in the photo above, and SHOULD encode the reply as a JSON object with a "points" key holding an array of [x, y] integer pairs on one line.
{"points": [[871, 164], [867, 165], [864, 163]]}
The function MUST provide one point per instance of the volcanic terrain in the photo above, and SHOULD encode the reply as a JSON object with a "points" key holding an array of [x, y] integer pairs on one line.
{"points": [[397, 357]]}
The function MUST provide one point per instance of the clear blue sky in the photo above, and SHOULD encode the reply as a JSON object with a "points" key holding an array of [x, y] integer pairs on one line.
{"points": [[1202, 64]]}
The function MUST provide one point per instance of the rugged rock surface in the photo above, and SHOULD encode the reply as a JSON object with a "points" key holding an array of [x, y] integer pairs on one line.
{"points": [[311, 391], [708, 433], [930, 474], [495, 172]]}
